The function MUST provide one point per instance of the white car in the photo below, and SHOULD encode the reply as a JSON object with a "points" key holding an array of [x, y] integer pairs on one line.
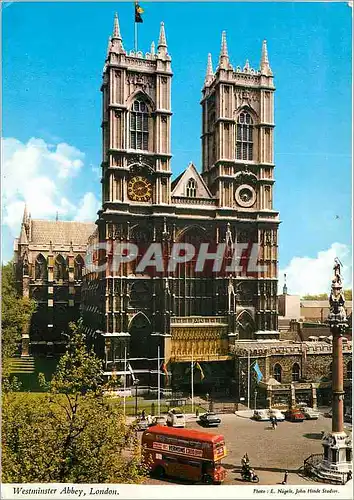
{"points": [[261, 415], [310, 413], [276, 414], [158, 420], [175, 419]]}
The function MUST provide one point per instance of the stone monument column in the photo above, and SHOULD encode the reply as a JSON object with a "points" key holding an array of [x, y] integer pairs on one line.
{"points": [[337, 445]]}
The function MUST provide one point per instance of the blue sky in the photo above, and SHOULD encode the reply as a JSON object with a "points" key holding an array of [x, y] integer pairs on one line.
{"points": [[53, 55]]}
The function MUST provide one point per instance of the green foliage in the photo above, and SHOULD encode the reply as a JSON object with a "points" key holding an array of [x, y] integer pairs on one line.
{"points": [[324, 296], [320, 296], [16, 312], [78, 370], [348, 295], [72, 434]]}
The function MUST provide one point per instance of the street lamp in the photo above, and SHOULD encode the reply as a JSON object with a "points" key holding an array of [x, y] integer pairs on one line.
{"points": [[136, 383], [255, 399]]}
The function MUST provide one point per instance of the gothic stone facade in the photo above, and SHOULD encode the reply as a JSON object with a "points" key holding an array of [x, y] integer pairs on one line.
{"points": [[184, 314], [293, 372], [49, 263]]}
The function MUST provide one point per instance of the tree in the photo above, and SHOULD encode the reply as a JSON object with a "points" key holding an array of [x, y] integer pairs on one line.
{"points": [[324, 296], [320, 296], [16, 314], [75, 434]]}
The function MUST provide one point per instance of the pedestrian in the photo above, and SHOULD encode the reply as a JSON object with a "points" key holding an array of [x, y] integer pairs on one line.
{"points": [[275, 421], [285, 480], [143, 415]]}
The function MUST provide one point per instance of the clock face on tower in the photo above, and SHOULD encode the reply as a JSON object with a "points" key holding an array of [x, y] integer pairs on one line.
{"points": [[139, 188]]}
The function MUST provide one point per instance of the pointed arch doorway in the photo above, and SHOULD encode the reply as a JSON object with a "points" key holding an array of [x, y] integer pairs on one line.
{"points": [[141, 344]]}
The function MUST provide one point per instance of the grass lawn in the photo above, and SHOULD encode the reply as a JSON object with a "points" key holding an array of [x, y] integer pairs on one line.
{"points": [[27, 371], [129, 406]]}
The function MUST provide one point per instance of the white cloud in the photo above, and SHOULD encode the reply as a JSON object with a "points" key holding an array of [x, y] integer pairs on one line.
{"points": [[88, 208], [305, 275], [96, 171], [38, 173]]}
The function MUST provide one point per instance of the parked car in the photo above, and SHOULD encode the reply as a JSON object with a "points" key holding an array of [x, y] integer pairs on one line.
{"points": [[142, 424], [175, 419], [210, 419], [277, 414], [294, 415], [158, 420], [310, 413], [261, 415], [328, 414]]}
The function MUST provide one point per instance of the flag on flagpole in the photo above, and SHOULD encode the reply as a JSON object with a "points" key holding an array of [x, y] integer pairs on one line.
{"points": [[259, 374], [131, 371], [164, 369], [198, 367], [138, 11]]}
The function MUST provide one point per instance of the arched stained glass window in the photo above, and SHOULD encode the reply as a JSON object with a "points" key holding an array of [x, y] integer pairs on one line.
{"points": [[60, 269], [191, 189], [244, 137], [295, 374], [139, 125], [40, 268], [277, 372]]}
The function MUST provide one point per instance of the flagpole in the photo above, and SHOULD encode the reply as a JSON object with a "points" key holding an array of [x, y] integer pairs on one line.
{"points": [[192, 382], [158, 380], [249, 379], [136, 36], [125, 376]]}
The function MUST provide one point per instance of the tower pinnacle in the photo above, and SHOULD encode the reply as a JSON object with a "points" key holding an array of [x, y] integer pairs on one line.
{"points": [[162, 37], [265, 68], [209, 72], [116, 30], [116, 40], [224, 56], [162, 44], [25, 215], [152, 50], [23, 236]]}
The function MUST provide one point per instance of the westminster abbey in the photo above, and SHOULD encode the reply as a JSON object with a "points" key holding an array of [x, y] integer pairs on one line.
{"points": [[173, 317]]}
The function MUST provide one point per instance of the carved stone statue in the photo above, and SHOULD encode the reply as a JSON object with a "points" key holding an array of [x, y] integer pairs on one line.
{"points": [[336, 269], [337, 314]]}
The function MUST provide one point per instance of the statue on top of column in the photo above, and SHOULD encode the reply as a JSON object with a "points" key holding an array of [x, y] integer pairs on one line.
{"points": [[337, 314]]}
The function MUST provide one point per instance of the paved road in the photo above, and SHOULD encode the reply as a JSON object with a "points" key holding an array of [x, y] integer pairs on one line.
{"points": [[271, 452]]}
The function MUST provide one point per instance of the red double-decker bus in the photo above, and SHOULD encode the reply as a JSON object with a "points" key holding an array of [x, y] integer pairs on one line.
{"points": [[184, 453]]}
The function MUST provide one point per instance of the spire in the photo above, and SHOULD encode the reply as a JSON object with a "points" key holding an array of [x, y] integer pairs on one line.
{"points": [[23, 236], [247, 66], [209, 72], [116, 40], [152, 50], [162, 45], [116, 30], [265, 68], [162, 37], [25, 215], [224, 57]]}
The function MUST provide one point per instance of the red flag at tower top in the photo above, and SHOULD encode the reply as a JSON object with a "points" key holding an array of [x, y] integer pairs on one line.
{"points": [[138, 11]]}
